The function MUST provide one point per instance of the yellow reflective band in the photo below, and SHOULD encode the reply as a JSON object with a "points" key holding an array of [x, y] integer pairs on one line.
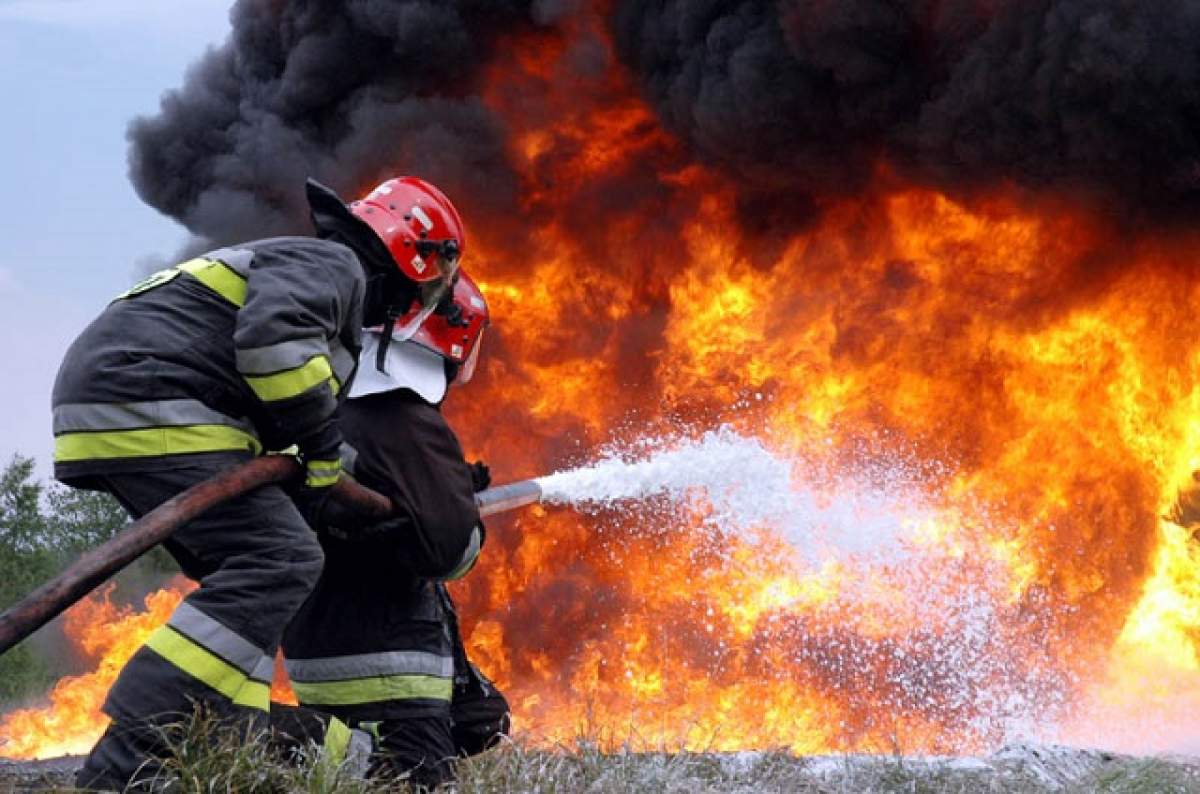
{"points": [[463, 569], [292, 382], [312, 481], [337, 741], [470, 555], [151, 441], [254, 695], [219, 278], [205, 666], [322, 473], [373, 690]]}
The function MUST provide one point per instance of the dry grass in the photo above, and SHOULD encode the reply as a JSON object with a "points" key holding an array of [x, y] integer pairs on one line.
{"points": [[514, 768], [205, 759]]}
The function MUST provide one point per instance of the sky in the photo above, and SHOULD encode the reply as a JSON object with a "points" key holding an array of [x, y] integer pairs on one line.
{"points": [[73, 232]]}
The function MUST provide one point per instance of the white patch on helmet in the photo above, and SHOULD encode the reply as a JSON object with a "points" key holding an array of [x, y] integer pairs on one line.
{"points": [[418, 264], [456, 351], [478, 303], [421, 216], [382, 190]]}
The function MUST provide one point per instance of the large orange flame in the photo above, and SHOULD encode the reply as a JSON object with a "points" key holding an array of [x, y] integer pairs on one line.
{"points": [[106, 634], [1029, 366], [1027, 369], [103, 632]]}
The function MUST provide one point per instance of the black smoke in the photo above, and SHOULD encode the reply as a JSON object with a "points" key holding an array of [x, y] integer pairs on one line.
{"points": [[799, 99], [1100, 98], [345, 91]]}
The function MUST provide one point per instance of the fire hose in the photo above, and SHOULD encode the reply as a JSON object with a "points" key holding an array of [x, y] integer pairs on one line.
{"points": [[98, 565]]}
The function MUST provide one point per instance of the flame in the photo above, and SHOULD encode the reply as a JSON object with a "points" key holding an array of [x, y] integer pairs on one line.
{"points": [[1018, 374], [107, 634], [1028, 368]]}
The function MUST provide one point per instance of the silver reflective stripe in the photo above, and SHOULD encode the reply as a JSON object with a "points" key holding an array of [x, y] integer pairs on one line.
{"points": [[215, 637], [349, 456], [343, 362], [264, 671], [468, 558], [281, 356], [75, 417], [237, 259], [365, 665]]}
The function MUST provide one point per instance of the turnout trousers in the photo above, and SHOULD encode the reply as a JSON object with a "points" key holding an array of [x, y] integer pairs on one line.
{"points": [[256, 561], [399, 672]]}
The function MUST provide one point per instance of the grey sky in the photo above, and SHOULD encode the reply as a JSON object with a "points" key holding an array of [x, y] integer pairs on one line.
{"points": [[72, 75]]}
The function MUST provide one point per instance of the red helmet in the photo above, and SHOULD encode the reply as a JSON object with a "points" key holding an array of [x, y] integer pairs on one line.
{"points": [[420, 227], [454, 330]]}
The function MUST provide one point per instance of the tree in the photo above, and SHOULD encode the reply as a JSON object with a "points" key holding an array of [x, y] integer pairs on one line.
{"points": [[78, 520], [25, 559], [24, 562], [41, 531]]}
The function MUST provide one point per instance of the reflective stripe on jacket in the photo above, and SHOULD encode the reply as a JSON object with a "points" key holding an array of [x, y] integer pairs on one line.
{"points": [[241, 349], [373, 641]]}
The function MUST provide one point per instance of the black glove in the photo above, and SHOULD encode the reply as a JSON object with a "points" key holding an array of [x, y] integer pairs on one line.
{"points": [[481, 476]]}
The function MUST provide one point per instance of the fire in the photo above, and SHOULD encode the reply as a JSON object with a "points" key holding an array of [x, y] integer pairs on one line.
{"points": [[1027, 367], [106, 634], [1018, 375]]}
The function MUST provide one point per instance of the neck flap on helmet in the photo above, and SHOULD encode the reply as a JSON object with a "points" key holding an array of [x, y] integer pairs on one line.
{"points": [[333, 220]]}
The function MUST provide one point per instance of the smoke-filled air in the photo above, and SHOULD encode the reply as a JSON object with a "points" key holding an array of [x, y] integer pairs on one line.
{"points": [[861, 335]]}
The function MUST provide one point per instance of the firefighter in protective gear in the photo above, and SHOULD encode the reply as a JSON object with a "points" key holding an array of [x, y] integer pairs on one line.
{"points": [[200, 367], [377, 643]]}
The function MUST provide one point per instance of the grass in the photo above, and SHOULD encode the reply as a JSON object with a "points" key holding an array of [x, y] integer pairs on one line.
{"points": [[205, 759], [1148, 776], [514, 768]]}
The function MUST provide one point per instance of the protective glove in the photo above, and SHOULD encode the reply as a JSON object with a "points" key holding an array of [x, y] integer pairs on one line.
{"points": [[312, 496], [481, 476]]}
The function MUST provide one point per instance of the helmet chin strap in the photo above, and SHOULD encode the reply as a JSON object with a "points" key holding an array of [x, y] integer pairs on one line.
{"points": [[389, 325]]}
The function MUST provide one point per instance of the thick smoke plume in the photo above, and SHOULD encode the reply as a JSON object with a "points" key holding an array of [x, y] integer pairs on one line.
{"points": [[800, 99], [1098, 97], [340, 91]]}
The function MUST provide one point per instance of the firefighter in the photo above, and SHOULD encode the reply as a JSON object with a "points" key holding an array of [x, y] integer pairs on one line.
{"points": [[377, 644], [201, 367]]}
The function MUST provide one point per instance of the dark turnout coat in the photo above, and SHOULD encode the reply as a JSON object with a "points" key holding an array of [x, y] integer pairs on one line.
{"points": [[373, 641], [241, 349]]}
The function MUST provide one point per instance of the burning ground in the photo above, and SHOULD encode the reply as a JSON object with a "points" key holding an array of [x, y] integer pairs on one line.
{"points": [[937, 257]]}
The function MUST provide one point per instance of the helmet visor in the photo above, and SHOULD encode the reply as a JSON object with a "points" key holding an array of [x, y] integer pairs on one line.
{"points": [[445, 255], [430, 295], [467, 370]]}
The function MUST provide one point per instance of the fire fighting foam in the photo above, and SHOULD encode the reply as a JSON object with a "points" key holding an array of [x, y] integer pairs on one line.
{"points": [[738, 484], [867, 521], [889, 556]]}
